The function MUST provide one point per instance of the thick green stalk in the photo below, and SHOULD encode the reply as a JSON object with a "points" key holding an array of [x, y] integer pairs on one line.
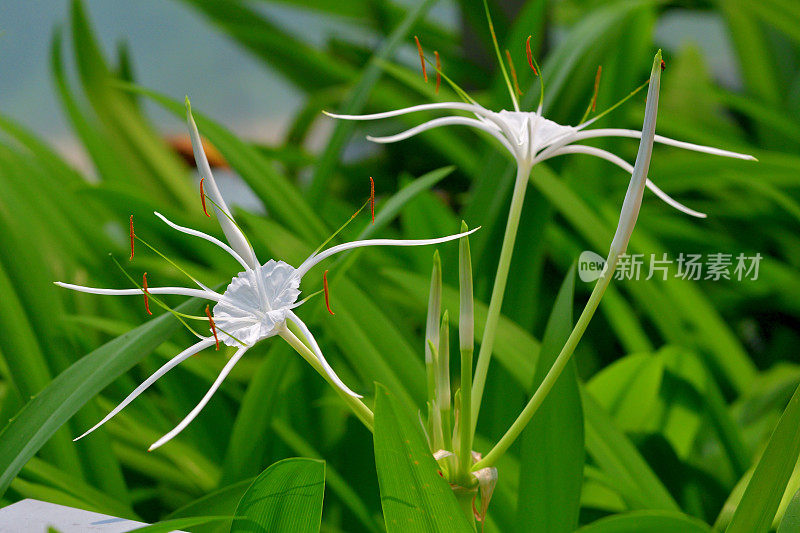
{"points": [[465, 502], [555, 371], [466, 337], [357, 406], [500, 280]]}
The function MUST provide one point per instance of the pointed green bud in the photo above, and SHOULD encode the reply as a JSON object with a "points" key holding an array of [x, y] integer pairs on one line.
{"points": [[466, 314], [633, 197]]}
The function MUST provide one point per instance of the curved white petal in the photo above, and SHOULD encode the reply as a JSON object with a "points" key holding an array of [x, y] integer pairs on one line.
{"points": [[321, 358], [445, 121], [633, 134], [199, 407], [456, 106], [232, 232], [209, 238], [179, 291], [169, 365], [612, 158], [314, 259]]}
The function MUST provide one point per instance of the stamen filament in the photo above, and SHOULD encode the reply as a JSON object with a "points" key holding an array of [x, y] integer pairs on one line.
{"points": [[372, 198], [203, 197], [132, 235], [213, 327], [438, 71], [421, 59], [157, 300], [327, 295], [500, 57], [593, 103], [170, 261], [146, 294], [613, 107], [513, 72]]}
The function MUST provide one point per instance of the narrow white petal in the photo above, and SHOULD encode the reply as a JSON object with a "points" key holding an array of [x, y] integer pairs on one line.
{"points": [[209, 238], [608, 156], [234, 235], [178, 359], [199, 407], [445, 121], [455, 106], [179, 291], [321, 358], [633, 134], [314, 259], [633, 197]]}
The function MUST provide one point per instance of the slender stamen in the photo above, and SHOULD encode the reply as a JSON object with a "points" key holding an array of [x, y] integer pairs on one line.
{"points": [[596, 87], [146, 294], [132, 235], [203, 197], [421, 59], [213, 326], [157, 300], [372, 198], [613, 107], [593, 103], [499, 56], [530, 55], [438, 71], [513, 72], [327, 292]]}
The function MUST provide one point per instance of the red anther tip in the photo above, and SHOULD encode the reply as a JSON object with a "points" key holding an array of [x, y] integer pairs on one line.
{"points": [[438, 71], [203, 197], [530, 55], [325, 288], [372, 198], [132, 236], [663, 65], [146, 294], [421, 59], [213, 327]]}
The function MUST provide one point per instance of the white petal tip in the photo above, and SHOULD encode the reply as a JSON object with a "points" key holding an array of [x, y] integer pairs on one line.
{"points": [[381, 140], [752, 158], [328, 114], [59, 283]]}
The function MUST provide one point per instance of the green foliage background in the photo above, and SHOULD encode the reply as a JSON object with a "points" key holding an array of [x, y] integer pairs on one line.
{"points": [[681, 383]]}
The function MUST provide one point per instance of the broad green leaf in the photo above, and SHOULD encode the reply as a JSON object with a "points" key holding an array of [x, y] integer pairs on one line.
{"points": [[763, 494], [647, 521], [287, 496], [415, 498], [552, 448], [617, 457], [69, 391], [791, 517]]}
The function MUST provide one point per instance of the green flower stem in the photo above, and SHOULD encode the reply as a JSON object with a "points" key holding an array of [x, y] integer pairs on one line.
{"points": [[465, 422], [356, 405], [555, 371], [465, 501], [496, 303]]}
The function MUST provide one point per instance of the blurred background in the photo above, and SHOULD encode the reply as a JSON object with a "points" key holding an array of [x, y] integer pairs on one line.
{"points": [[691, 376]]}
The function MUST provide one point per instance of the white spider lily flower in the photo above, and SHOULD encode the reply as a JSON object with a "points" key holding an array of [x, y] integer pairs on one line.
{"points": [[257, 304], [531, 138]]}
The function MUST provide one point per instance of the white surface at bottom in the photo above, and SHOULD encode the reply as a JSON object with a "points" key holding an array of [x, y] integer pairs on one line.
{"points": [[34, 516]]}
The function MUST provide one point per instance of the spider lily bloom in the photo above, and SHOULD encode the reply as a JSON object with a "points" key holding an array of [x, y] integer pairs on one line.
{"points": [[258, 303], [531, 138]]}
